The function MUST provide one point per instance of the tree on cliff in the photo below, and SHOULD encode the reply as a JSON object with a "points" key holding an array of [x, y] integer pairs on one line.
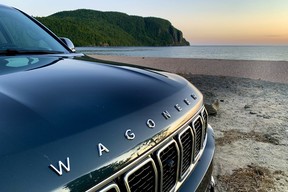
{"points": [[96, 28]]}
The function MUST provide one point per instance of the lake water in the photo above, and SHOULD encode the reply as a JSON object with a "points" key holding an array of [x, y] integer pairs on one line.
{"points": [[270, 53]]}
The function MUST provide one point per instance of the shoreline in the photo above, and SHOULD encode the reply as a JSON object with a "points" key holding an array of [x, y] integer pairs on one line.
{"points": [[273, 71]]}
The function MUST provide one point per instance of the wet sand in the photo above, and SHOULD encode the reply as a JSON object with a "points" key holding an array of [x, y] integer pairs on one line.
{"points": [[251, 126]]}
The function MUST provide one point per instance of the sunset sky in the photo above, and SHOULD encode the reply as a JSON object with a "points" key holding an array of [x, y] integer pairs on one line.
{"points": [[201, 21]]}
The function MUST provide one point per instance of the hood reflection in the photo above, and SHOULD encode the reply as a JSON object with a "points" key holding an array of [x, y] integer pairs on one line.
{"points": [[25, 63]]}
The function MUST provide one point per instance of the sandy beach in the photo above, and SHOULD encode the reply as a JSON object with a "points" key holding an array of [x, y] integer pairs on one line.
{"points": [[274, 71], [251, 125]]}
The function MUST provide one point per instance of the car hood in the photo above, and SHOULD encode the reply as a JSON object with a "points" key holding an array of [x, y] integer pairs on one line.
{"points": [[55, 107]]}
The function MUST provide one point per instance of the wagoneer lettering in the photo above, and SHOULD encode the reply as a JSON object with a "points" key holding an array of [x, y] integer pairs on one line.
{"points": [[101, 149], [129, 134], [61, 166]]}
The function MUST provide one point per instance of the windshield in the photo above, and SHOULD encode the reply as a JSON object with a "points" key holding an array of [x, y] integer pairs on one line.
{"points": [[20, 35]]}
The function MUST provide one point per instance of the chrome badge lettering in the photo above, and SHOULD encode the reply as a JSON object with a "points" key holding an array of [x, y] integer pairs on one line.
{"points": [[166, 114], [101, 149], [129, 134], [150, 123], [61, 165], [187, 101], [194, 96], [177, 106]]}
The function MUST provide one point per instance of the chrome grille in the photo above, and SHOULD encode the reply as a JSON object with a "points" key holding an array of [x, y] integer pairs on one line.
{"points": [[142, 178], [169, 163], [110, 188], [204, 114], [186, 142], [197, 126], [168, 159]]}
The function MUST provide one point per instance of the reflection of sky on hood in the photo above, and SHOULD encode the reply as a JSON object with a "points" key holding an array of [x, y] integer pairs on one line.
{"points": [[21, 63]]}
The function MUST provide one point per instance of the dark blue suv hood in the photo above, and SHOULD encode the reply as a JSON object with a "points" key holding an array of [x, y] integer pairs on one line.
{"points": [[66, 96], [55, 107]]}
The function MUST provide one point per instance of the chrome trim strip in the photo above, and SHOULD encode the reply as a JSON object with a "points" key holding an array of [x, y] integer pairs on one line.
{"points": [[202, 114], [161, 165], [201, 139], [182, 175], [126, 177], [179, 184], [204, 111], [112, 186]]}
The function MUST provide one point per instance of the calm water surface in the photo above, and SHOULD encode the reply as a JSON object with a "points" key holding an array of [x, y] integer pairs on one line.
{"points": [[270, 53]]}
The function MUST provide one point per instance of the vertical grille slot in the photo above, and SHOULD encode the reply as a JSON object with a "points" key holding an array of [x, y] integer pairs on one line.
{"points": [[186, 147], [168, 158], [142, 178], [198, 131], [205, 120]]}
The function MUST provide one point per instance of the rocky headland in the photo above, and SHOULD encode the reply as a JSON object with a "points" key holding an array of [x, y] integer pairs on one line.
{"points": [[97, 28]]}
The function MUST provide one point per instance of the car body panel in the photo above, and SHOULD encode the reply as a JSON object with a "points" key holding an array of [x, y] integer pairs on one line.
{"points": [[66, 107], [73, 123]]}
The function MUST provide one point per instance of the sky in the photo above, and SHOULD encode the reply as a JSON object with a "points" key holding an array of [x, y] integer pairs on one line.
{"points": [[201, 21]]}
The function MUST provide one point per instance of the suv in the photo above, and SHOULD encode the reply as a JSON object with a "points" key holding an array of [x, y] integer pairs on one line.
{"points": [[72, 123]]}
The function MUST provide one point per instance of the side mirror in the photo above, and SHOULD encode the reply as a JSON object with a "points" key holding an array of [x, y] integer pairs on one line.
{"points": [[69, 43]]}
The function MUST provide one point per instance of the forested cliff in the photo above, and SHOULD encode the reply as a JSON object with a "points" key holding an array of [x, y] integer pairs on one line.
{"points": [[96, 28]]}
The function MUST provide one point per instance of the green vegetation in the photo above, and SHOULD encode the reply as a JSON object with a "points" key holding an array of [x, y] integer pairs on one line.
{"points": [[96, 28]]}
